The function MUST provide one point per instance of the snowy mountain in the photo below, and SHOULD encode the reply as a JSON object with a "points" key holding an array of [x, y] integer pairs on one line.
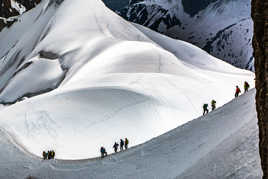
{"points": [[221, 27], [85, 80], [149, 80]]}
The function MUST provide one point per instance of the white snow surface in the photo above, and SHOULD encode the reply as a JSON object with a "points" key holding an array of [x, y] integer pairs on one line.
{"points": [[119, 80], [222, 144]]}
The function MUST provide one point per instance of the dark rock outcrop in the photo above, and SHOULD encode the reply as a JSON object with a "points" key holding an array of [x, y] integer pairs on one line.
{"points": [[260, 44]]}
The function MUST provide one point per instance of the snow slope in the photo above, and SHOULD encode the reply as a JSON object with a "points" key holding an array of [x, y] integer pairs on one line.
{"points": [[112, 78], [222, 144]]}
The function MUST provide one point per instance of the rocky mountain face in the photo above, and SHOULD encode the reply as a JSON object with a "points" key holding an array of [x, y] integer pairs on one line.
{"points": [[260, 44], [221, 27], [12, 8]]}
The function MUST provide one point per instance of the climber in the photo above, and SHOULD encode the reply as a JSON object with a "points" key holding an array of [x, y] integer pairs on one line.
{"points": [[103, 152], [52, 154], [205, 109], [126, 143], [49, 155], [237, 91], [246, 86], [121, 145], [115, 146], [213, 104], [45, 155]]}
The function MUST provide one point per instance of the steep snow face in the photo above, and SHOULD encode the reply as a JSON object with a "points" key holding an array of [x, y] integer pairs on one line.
{"points": [[221, 27], [113, 79]]}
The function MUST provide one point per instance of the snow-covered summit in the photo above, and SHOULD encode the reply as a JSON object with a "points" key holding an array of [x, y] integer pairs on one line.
{"points": [[113, 79]]}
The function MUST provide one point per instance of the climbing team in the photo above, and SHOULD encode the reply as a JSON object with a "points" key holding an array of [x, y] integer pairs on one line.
{"points": [[213, 102], [122, 144], [49, 155]]}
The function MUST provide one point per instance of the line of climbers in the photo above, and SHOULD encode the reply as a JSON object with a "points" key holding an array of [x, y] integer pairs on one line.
{"points": [[213, 102], [49, 155], [123, 144]]}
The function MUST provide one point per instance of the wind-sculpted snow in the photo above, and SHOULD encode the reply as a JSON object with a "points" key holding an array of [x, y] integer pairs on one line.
{"points": [[113, 79]]}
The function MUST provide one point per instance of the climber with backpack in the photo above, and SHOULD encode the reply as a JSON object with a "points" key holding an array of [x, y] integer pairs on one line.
{"points": [[45, 154], [213, 104], [126, 143], [103, 152], [115, 147], [237, 91], [121, 145], [52, 154], [246, 86], [205, 109]]}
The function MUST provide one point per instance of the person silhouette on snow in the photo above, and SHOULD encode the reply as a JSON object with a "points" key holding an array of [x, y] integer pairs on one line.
{"points": [[103, 152], [246, 86], [205, 109], [49, 155], [237, 91], [115, 146], [213, 104], [45, 154], [52, 154], [121, 145], [126, 143]]}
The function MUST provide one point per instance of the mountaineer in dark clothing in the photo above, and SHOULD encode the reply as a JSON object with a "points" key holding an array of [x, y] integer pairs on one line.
{"points": [[126, 143], [213, 104], [205, 109], [121, 145], [246, 86], [103, 152], [115, 146], [45, 155]]}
